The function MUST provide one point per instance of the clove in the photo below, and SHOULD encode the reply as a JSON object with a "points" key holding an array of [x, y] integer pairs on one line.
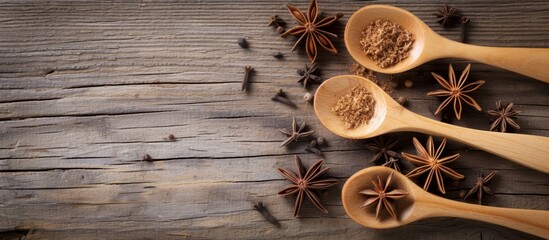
{"points": [[278, 55], [266, 214], [280, 97], [147, 158], [171, 137], [247, 71], [314, 147], [463, 21]]}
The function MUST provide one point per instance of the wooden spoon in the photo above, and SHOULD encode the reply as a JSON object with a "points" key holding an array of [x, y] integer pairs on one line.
{"points": [[428, 45], [389, 116], [419, 204]]}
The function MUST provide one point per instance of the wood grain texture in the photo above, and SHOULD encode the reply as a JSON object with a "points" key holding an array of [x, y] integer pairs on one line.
{"points": [[88, 88]]}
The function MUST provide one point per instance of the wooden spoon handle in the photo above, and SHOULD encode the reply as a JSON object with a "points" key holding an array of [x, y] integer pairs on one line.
{"points": [[530, 221], [531, 62], [528, 150]]}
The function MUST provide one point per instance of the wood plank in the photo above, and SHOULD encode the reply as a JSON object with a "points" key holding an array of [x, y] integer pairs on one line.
{"points": [[88, 88]]}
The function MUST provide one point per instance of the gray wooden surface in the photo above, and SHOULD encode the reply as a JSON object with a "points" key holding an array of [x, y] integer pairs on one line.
{"points": [[88, 88]]}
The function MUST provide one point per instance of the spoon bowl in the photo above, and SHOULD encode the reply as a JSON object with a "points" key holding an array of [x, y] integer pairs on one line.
{"points": [[419, 204], [353, 200], [389, 116], [364, 16], [428, 45]]}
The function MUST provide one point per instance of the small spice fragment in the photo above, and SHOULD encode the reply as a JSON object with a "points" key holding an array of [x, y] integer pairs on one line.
{"points": [[408, 83], [243, 43], [455, 91], [384, 198], [380, 148], [447, 16], [247, 70], [171, 137], [280, 30], [266, 214], [355, 108], [480, 187], [386, 43], [278, 55], [305, 183], [296, 133], [308, 97], [276, 21], [402, 101], [308, 75], [314, 147], [309, 29], [147, 158], [504, 115], [281, 97], [429, 160]]}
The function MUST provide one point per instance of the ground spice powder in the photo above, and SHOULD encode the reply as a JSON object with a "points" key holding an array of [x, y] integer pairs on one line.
{"points": [[355, 108], [386, 43]]}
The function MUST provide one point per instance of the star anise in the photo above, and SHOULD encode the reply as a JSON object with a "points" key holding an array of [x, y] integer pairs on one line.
{"points": [[429, 161], [504, 115], [383, 197], [305, 183], [480, 187], [455, 91], [447, 15], [380, 148], [295, 134], [392, 163], [309, 28], [308, 75]]}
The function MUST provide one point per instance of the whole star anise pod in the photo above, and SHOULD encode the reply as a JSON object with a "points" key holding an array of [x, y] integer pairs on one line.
{"points": [[480, 187], [504, 115], [447, 15], [295, 134], [384, 198], [429, 160], [309, 28], [308, 75], [305, 183], [380, 148], [456, 91]]}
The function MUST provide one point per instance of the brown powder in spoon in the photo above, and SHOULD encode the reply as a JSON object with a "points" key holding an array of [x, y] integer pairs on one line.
{"points": [[386, 43], [355, 108]]}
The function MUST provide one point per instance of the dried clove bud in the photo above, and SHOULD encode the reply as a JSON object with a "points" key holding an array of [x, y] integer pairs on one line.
{"points": [[243, 43], [276, 21], [171, 137], [266, 214], [280, 30], [314, 147], [308, 97], [278, 55], [247, 70], [463, 21], [314, 150], [147, 158], [280, 97]]}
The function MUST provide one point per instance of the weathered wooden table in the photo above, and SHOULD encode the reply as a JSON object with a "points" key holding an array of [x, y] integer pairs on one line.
{"points": [[88, 88]]}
